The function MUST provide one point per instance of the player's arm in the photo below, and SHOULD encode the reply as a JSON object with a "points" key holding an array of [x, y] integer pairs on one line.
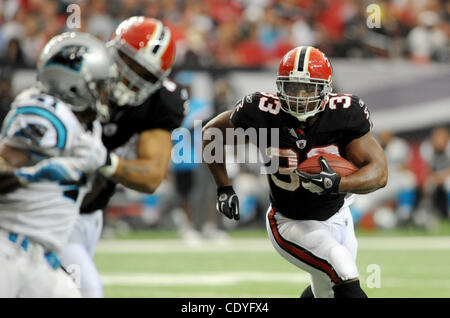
{"points": [[218, 169], [361, 148], [366, 153], [242, 116], [146, 173], [24, 160], [18, 168], [227, 200]]}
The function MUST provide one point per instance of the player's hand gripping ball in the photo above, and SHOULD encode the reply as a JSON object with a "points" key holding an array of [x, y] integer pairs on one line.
{"points": [[322, 174]]}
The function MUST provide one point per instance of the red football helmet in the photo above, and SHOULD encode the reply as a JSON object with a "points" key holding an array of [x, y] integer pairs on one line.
{"points": [[144, 51], [304, 82]]}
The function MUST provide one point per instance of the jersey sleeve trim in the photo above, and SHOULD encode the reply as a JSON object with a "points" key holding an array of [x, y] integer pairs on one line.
{"points": [[52, 118]]}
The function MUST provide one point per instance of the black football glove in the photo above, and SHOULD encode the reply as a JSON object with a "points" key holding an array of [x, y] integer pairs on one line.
{"points": [[324, 182], [228, 202]]}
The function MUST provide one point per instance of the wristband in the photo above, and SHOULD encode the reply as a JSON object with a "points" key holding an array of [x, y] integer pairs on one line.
{"points": [[224, 189], [110, 168]]}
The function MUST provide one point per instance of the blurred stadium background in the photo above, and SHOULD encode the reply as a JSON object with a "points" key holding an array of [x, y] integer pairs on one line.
{"points": [[172, 243]]}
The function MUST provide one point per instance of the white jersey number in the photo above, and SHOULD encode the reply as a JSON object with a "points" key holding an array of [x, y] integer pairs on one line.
{"points": [[294, 183]]}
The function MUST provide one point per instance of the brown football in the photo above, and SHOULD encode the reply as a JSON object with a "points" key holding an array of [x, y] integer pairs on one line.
{"points": [[342, 166]]}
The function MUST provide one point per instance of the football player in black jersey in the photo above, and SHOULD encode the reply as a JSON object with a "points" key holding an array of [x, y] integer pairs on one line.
{"points": [[145, 107], [309, 221]]}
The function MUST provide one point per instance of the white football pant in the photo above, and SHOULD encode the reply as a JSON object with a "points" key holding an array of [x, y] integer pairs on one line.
{"points": [[79, 253], [324, 249], [26, 273]]}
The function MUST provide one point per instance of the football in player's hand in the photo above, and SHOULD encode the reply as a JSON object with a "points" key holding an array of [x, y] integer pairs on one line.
{"points": [[342, 166]]}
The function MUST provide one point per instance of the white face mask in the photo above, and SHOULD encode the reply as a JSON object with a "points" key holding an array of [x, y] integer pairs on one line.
{"points": [[123, 94]]}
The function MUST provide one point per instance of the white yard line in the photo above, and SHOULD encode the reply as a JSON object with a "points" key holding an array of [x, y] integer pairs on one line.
{"points": [[231, 278], [260, 245]]}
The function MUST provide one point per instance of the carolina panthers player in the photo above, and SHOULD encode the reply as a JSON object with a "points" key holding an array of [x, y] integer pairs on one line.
{"points": [[50, 149], [146, 107], [309, 221]]}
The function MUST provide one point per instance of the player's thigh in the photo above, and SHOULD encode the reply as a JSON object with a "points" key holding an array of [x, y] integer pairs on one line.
{"points": [[94, 225], [65, 287], [11, 278], [76, 259], [349, 240], [48, 282], [87, 231], [321, 283], [311, 243]]}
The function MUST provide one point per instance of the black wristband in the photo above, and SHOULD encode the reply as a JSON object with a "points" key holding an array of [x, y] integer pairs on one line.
{"points": [[337, 181], [224, 189]]}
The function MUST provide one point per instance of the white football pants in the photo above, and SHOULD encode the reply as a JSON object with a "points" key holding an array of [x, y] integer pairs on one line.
{"points": [[324, 249], [80, 251], [26, 273]]}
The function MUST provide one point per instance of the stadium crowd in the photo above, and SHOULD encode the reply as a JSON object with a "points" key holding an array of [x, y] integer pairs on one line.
{"points": [[240, 33]]}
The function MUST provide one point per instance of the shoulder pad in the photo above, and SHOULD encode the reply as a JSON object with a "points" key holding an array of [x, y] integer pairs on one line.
{"points": [[256, 110]]}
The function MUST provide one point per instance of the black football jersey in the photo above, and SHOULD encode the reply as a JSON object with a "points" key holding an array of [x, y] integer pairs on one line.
{"points": [[164, 109], [344, 118]]}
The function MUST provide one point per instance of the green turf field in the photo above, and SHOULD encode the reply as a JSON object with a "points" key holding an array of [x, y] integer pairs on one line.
{"points": [[160, 265]]}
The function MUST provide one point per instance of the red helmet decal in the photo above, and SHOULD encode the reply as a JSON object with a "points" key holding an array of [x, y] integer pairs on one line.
{"points": [[287, 63], [137, 31], [318, 65], [152, 41]]}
